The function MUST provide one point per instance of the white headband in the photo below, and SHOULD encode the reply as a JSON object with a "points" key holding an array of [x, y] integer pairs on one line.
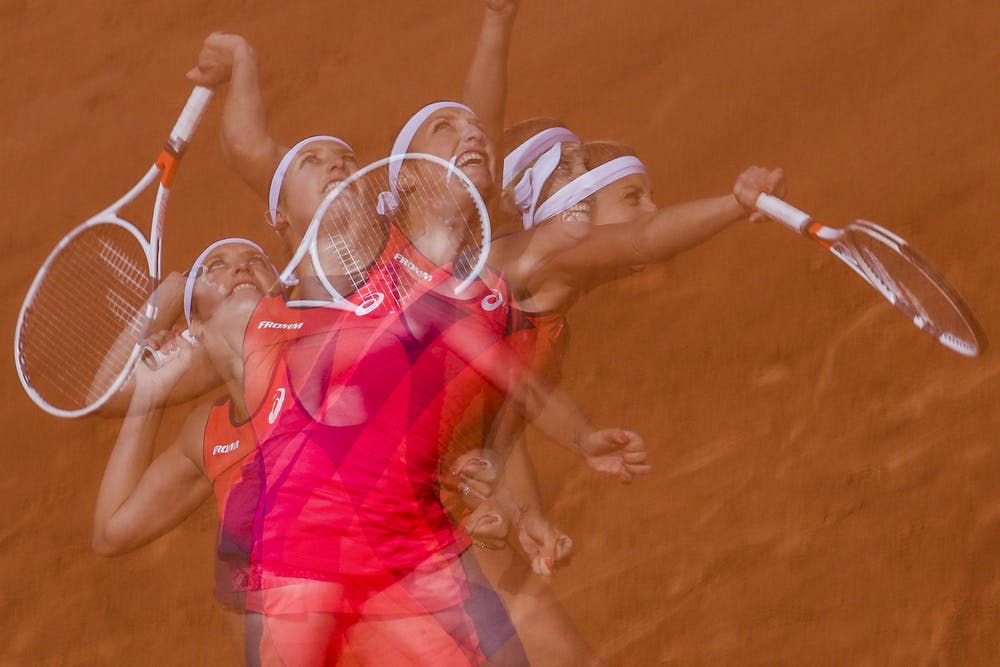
{"points": [[196, 269], [529, 188], [587, 184], [286, 160], [533, 148], [405, 136], [389, 201]]}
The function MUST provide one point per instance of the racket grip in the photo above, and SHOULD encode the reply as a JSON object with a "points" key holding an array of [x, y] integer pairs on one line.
{"points": [[188, 121], [783, 212], [153, 358]]}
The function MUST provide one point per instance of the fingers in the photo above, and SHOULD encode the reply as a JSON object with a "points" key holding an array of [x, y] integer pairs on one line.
{"points": [[474, 476], [215, 61], [488, 529], [166, 341], [754, 181], [475, 467], [542, 566], [557, 549], [474, 491], [776, 183], [544, 545]]}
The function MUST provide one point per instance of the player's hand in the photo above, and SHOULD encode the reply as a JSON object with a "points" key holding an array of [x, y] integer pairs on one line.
{"points": [[616, 452], [218, 54], [545, 545], [754, 181], [156, 383], [475, 475], [503, 8], [488, 525]]}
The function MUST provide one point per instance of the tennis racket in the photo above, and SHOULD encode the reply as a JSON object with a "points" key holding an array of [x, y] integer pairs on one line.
{"points": [[900, 274], [380, 238], [81, 326]]}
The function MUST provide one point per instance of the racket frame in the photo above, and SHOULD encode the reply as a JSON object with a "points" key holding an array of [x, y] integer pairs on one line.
{"points": [[163, 169], [309, 243], [832, 239]]}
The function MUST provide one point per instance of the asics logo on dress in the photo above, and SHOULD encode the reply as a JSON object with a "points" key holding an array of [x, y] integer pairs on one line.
{"points": [[279, 399], [268, 324], [408, 263], [225, 449], [492, 301]]}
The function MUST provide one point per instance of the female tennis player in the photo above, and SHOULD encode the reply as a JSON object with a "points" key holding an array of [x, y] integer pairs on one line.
{"points": [[261, 180], [452, 131], [254, 154], [142, 497], [386, 565], [549, 264], [288, 215]]}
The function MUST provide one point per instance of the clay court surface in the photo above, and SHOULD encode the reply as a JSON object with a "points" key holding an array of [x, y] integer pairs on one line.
{"points": [[825, 488]]}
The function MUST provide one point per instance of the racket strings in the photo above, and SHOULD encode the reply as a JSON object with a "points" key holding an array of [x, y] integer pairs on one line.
{"points": [[437, 184], [351, 237], [914, 288], [86, 316], [436, 223]]}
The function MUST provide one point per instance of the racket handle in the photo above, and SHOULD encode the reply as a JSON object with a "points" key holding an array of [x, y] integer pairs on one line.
{"points": [[783, 212], [153, 358], [188, 121]]}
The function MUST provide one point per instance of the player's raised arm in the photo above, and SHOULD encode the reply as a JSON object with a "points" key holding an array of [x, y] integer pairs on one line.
{"points": [[485, 89], [201, 375], [140, 497], [246, 144]]}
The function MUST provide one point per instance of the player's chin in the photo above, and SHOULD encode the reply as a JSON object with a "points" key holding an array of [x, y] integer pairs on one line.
{"points": [[482, 178], [241, 301]]}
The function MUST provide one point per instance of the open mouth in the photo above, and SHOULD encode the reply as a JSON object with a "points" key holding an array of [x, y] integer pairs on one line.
{"points": [[329, 187], [471, 159], [244, 286], [579, 212]]}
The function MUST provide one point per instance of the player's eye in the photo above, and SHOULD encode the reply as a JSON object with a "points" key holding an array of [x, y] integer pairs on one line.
{"points": [[257, 259], [441, 124], [214, 265]]}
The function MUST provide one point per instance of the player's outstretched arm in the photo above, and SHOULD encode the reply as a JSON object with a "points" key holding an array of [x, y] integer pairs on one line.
{"points": [[660, 235], [246, 144], [549, 408], [485, 89], [140, 497]]}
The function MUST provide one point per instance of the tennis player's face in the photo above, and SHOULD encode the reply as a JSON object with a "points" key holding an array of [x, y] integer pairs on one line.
{"points": [[625, 200], [318, 168], [571, 164], [456, 133], [232, 272]]}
